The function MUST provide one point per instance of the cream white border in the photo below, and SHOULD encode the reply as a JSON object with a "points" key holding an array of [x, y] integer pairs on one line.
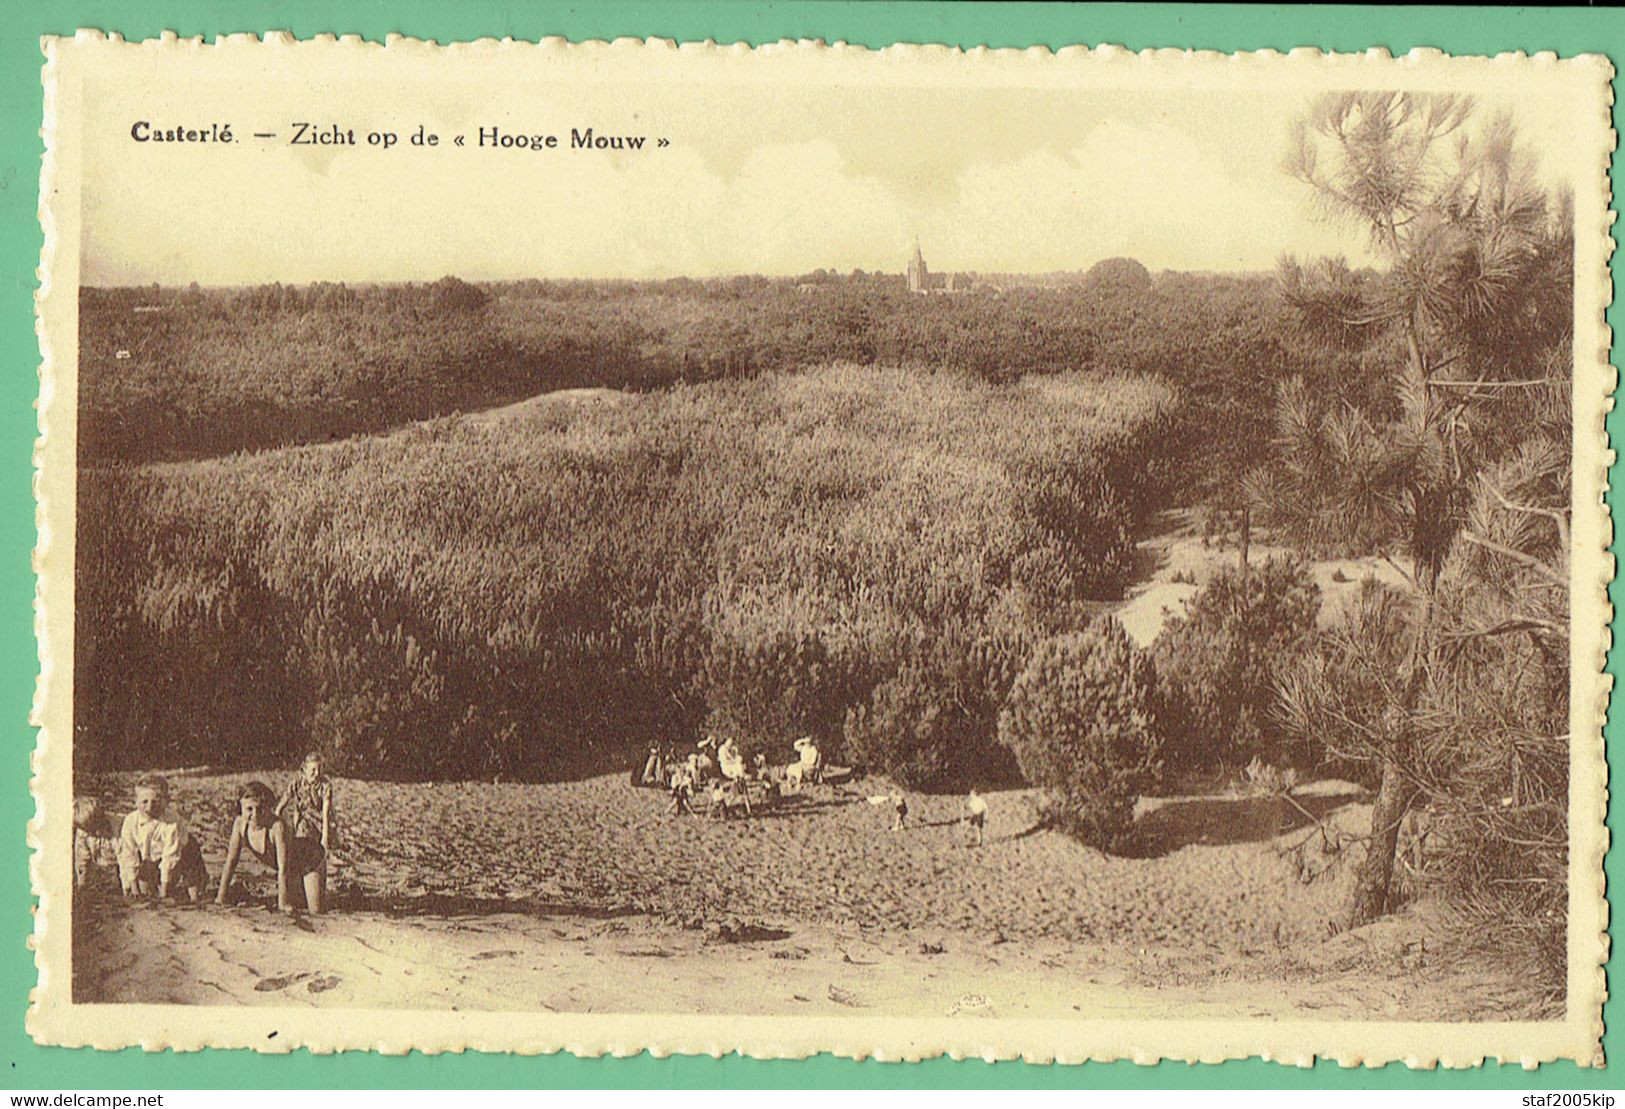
{"points": [[53, 1019]]}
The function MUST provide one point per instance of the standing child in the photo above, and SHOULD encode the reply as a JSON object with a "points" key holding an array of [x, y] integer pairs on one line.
{"points": [[899, 808], [157, 855], [307, 809], [654, 769], [267, 838], [95, 841], [976, 815]]}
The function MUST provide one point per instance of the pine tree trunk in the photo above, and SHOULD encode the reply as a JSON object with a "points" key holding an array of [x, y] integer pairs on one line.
{"points": [[1396, 791], [1246, 536], [1376, 876]]}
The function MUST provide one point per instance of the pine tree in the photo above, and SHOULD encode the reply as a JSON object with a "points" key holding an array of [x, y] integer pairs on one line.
{"points": [[1472, 292]]}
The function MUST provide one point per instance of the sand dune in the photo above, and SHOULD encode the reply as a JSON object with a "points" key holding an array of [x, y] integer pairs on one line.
{"points": [[589, 896]]}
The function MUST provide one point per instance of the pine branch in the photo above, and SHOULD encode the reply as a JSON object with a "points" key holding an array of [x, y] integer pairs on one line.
{"points": [[1519, 557], [1507, 627], [1481, 383], [1535, 510]]}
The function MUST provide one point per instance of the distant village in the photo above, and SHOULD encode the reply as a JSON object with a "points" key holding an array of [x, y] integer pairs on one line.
{"points": [[1117, 272], [922, 280]]}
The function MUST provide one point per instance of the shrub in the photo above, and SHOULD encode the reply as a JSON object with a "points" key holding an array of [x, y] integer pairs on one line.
{"points": [[1079, 719], [910, 729], [934, 723], [1217, 666]]}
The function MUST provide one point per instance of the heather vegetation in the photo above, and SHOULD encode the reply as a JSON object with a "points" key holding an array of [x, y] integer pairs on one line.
{"points": [[541, 594]]}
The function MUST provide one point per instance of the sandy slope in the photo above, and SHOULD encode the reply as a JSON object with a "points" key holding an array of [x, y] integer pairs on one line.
{"points": [[1216, 871], [567, 962], [587, 896]]}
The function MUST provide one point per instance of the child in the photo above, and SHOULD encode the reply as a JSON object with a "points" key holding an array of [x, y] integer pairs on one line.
{"points": [[899, 808], [157, 855], [95, 841], [719, 800], [701, 763], [267, 838], [977, 815], [682, 787], [654, 768], [307, 809]]}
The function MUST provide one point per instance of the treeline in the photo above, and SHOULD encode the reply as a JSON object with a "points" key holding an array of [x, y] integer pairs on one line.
{"points": [[173, 373], [864, 555]]}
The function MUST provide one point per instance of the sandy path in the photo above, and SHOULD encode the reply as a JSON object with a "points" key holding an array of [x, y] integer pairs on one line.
{"points": [[1178, 564]]}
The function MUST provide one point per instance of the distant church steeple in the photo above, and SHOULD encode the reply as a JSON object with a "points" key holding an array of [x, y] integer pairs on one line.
{"points": [[919, 278]]}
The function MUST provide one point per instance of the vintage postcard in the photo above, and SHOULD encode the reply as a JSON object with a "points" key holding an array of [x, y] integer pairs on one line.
{"points": [[691, 548]]}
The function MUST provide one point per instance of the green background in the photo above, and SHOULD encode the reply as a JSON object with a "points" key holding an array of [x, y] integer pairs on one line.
{"points": [[23, 1066]]}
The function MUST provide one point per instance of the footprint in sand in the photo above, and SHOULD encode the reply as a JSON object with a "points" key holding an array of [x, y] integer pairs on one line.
{"points": [[322, 985], [266, 985]]}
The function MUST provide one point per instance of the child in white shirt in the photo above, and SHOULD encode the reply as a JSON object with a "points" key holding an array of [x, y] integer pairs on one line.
{"points": [[157, 855], [977, 815]]}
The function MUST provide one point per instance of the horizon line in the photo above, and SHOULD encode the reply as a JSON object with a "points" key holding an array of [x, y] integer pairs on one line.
{"points": [[628, 280]]}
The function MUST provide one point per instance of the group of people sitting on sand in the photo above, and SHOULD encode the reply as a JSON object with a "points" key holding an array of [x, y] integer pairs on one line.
{"points": [[157, 855], [718, 768]]}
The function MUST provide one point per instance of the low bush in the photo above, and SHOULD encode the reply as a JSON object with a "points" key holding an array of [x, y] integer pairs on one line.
{"points": [[933, 723], [1080, 721], [1217, 666]]}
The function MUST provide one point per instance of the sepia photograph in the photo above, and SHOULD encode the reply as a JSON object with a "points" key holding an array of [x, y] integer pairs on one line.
{"points": [[823, 539]]}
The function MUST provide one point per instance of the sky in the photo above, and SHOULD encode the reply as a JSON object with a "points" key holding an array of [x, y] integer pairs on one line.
{"points": [[765, 179]]}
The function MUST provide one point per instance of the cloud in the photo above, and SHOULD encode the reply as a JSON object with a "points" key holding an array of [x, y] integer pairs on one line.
{"points": [[1176, 183]]}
